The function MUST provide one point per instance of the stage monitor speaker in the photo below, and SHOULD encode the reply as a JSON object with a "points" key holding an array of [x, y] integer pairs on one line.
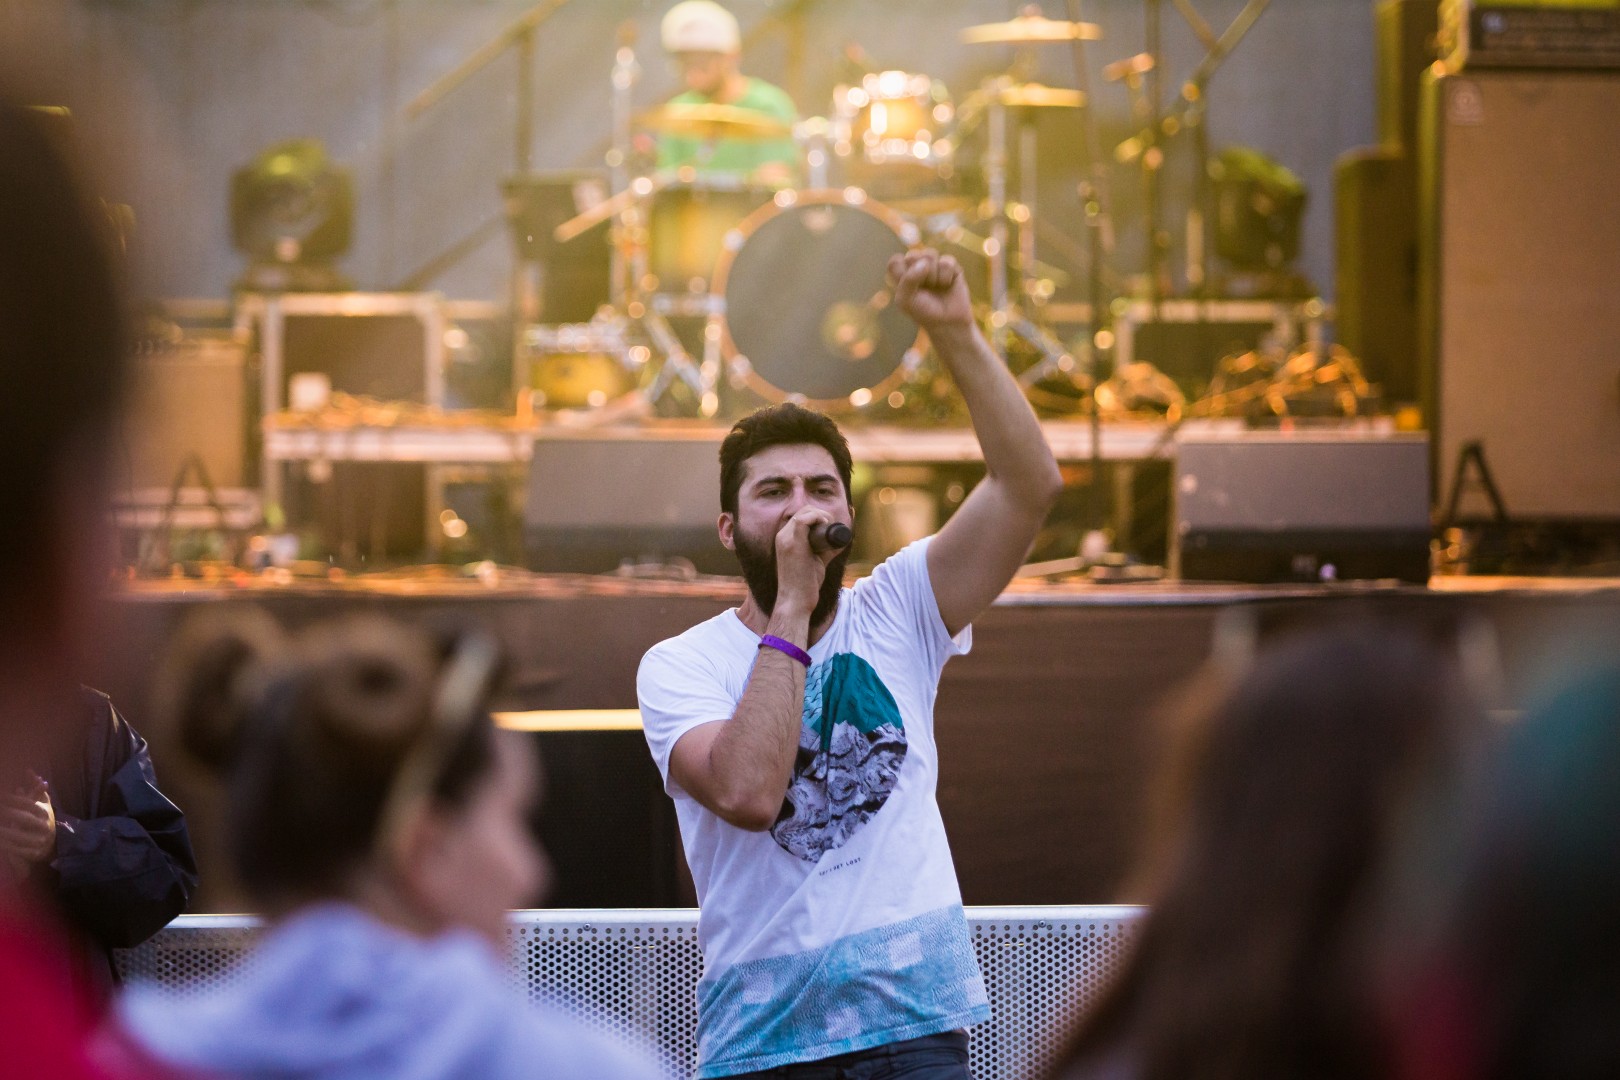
{"points": [[1301, 506], [594, 503], [1521, 233]]}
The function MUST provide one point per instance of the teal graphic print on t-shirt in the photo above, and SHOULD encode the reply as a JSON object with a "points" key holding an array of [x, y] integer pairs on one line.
{"points": [[851, 747]]}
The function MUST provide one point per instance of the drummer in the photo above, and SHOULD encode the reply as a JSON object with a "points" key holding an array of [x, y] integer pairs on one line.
{"points": [[705, 41]]}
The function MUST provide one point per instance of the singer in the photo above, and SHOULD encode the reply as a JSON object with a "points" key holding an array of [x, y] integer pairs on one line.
{"points": [[795, 734]]}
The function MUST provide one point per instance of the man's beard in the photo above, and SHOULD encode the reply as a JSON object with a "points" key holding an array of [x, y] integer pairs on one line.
{"points": [[759, 570]]}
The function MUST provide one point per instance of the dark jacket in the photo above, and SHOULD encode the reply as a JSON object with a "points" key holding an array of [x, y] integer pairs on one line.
{"points": [[123, 866]]}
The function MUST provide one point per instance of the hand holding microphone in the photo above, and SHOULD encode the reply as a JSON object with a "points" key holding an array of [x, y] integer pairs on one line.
{"points": [[829, 536]]}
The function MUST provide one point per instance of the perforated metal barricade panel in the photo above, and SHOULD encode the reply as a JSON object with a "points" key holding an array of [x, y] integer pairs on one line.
{"points": [[1043, 966], [634, 973]]}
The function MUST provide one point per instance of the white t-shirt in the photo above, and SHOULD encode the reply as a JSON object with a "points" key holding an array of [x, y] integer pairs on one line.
{"points": [[841, 927]]}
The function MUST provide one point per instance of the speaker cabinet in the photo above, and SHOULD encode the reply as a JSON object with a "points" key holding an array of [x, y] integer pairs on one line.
{"points": [[577, 273], [1377, 254], [1520, 217]]}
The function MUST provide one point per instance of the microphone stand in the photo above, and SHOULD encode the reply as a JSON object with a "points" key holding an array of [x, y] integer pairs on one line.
{"points": [[1094, 199]]}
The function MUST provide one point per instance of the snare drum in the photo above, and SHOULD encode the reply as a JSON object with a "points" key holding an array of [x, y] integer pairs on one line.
{"points": [[687, 228], [808, 310], [893, 131]]}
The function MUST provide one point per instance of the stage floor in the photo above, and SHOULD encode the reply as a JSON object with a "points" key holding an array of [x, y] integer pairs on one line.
{"points": [[1046, 729]]}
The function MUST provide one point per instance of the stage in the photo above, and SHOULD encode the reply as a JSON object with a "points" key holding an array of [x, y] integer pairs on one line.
{"points": [[1046, 729]]}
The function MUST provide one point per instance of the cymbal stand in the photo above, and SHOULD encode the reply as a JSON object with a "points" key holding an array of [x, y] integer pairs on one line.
{"points": [[1006, 317], [1024, 213], [996, 248], [626, 73], [678, 363]]}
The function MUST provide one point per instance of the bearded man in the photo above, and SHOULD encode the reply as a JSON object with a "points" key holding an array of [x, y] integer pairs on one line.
{"points": [[795, 734]]}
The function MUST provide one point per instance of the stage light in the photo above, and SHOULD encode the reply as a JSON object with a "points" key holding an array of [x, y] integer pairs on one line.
{"points": [[1258, 207], [292, 214]]}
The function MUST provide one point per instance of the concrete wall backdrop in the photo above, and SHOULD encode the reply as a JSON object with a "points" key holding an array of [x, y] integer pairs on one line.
{"points": [[203, 85]]}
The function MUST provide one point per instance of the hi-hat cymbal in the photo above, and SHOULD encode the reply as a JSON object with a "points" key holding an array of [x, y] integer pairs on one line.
{"points": [[1030, 30], [1036, 95], [706, 120]]}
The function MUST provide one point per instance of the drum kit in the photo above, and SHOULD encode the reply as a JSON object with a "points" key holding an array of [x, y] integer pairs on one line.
{"points": [[722, 285]]}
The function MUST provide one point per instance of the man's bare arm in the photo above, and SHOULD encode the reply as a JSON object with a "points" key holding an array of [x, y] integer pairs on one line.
{"points": [[977, 552]]}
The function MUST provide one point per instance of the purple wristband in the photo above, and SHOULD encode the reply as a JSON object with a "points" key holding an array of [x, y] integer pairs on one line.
{"points": [[782, 646]]}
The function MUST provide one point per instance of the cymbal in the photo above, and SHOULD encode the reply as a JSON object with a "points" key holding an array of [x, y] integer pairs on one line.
{"points": [[1035, 95], [707, 120], [1030, 30]]}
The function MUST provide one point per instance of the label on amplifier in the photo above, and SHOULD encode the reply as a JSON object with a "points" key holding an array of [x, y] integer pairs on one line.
{"points": [[1504, 34]]}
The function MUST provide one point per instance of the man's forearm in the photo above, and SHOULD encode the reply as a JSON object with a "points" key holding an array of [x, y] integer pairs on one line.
{"points": [[1015, 450], [754, 754]]}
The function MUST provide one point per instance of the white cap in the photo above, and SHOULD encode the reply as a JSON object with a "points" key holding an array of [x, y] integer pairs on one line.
{"points": [[700, 26]]}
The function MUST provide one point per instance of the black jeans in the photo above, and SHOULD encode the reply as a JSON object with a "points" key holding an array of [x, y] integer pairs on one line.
{"points": [[932, 1057]]}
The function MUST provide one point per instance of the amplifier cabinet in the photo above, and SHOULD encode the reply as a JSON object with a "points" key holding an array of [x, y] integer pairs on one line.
{"points": [[190, 404], [1520, 233]]}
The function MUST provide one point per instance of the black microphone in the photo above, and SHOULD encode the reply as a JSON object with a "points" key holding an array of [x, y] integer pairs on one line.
{"points": [[828, 536]]}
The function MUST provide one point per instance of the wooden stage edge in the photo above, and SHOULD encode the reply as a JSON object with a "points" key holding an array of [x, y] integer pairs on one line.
{"points": [[1046, 728]]}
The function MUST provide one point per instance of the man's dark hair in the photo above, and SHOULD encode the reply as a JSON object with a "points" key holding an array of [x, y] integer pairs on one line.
{"points": [[63, 358], [778, 425]]}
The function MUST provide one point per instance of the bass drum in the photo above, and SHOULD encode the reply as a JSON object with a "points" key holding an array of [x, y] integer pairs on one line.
{"points": [[809, 315]]}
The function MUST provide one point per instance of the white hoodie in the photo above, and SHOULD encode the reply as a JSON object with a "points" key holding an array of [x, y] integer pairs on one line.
{"points": [[333, 994]]}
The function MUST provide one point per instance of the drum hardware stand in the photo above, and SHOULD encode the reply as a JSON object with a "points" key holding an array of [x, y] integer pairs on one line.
{"points": [[1007, 318], [647, 312]]}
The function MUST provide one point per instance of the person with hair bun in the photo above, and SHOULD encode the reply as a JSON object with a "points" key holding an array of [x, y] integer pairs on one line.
{"points": [[381, 823]]}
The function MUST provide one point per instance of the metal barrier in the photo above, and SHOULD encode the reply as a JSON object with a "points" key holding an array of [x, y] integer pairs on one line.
{"points": [[633, 973]]}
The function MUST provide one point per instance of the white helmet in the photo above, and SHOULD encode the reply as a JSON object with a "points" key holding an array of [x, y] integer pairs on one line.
{"points": [[700, 26]]}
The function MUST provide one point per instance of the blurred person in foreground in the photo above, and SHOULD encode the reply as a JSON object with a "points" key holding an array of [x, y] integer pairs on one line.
{"points": [[86, 829], [1277, 808], [63, 367], [380, 822], [1498, 959]]}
